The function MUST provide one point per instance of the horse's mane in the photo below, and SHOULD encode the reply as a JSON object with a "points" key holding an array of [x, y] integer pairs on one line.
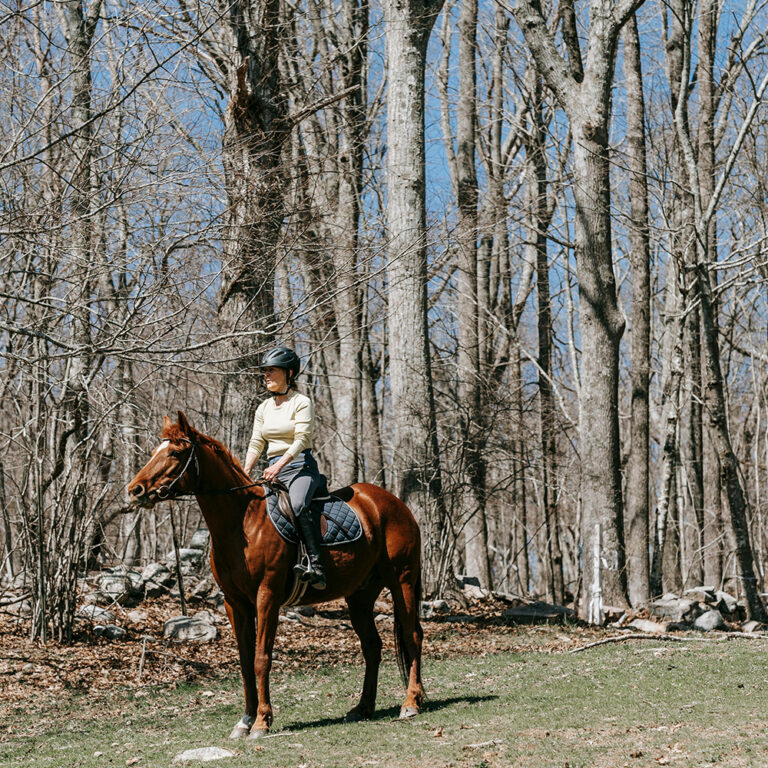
{"points": [[174, 433]]}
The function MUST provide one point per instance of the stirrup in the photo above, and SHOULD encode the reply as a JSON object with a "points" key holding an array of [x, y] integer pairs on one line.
{"points": [[316, 578]]}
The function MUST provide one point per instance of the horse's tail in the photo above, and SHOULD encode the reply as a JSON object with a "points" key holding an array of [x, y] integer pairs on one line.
{"points": [[401, 653]]}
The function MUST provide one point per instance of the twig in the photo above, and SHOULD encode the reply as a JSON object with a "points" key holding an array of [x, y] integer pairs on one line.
{"points": [[665, 636], [145, 650], [141, 660], [179, 575]]}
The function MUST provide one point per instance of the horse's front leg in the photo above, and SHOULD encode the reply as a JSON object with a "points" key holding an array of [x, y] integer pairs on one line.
{"points": [[242, 620], [267, 617]]}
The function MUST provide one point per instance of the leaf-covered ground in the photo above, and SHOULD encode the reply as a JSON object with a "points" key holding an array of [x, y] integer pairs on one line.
{"points": [[29, 670]]}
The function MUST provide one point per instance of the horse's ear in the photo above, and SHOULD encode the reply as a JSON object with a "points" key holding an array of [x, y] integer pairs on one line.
{"points": [[167, 424], [183, 423]]}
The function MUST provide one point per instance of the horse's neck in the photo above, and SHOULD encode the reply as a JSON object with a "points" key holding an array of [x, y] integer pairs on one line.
{"points": [[223, 512]]}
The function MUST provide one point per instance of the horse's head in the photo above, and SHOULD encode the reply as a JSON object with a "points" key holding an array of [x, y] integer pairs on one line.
{"points": [[172, 469]]}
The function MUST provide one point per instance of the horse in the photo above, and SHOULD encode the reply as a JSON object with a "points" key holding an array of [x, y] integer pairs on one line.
{"points": [[253, 566]]}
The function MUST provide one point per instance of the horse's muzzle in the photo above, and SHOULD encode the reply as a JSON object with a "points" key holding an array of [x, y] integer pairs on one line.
{"points": [[140, 498]]}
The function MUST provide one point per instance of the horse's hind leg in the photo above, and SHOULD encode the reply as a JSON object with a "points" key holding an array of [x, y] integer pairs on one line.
{"points": [[406, 595], [360, 606]]}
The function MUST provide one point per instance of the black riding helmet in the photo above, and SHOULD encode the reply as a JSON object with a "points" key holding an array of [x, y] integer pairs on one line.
{"points": [[282, 357]]}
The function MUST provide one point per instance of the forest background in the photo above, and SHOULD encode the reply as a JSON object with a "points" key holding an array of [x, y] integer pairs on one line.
{"points": [[521, 249]]}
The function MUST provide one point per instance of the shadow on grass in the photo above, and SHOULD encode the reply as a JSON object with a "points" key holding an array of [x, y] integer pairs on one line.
{"points": [[391, 713]]}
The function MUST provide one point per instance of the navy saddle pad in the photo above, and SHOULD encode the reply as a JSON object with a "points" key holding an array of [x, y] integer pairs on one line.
{"points": [[338, 521]]}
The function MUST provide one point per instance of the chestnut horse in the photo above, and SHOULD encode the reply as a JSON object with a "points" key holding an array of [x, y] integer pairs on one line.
{"points": [[253, 565]]}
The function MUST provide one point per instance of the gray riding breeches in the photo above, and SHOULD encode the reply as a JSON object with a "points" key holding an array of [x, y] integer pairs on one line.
{"points": [[301, 477]]}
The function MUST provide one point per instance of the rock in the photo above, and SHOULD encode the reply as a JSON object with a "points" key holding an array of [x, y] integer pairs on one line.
{"points": [[613, 614], [200, 539], [217, 601], [191, 629], [96, 614], [751, 626], [156, 580], [305, 610], [123, 570], [538, 613], [22, 580], [434, 608], [201, 591], [186, 555], [22, 609], [462, 618], [203, 755], [727, 603], [465, 580], [136, 617], [652, 627], [701, 594], [117, 587], [109, 632], [91, 598], [708, 621], [677, 609], [475, 592]]}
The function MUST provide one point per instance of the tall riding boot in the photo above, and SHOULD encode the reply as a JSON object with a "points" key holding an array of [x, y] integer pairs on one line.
{"points": [[315, 574]]}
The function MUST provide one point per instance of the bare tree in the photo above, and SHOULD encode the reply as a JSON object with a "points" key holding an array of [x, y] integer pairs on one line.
{"points": [[415, 465], [586, 101], [637, 488]]}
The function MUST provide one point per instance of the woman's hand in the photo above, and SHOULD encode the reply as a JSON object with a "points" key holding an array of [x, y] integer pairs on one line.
{"points": [[273, 470]]}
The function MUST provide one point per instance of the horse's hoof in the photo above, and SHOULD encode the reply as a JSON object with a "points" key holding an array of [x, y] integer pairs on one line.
{"points": [[406, 713], [355, 716], [239, 732], [257, 733]]}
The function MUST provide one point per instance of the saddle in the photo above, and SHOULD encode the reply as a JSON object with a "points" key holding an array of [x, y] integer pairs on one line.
{"points": [[338, 522]]}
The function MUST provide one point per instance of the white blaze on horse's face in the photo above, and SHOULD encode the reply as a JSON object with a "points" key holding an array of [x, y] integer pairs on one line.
{"points": [[160, 447]]}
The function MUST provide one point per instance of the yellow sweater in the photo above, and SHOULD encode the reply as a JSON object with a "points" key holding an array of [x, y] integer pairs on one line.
{"points": [[286, 428]]}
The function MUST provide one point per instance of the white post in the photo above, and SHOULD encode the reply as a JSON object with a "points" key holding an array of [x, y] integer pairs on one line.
{"points": [[596, 596]]}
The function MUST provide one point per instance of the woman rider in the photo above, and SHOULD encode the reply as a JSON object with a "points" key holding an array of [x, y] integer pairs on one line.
{"points": [[284, 423]]}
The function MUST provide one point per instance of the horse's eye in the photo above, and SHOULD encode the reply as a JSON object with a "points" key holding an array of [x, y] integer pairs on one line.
{"points": [[175, 454]]}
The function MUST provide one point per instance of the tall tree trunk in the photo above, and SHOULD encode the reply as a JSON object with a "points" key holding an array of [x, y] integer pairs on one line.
{"points": [[537, 225], [346, 379], [712, 519], [714, 394], [477, 562], [254, 134], [637, 486], [519, 491], [80, 26], [691, 445], [415, 466], [372, 443], [672, 357], [586, 101]]}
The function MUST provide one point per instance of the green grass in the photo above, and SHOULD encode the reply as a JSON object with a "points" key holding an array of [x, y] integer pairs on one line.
{"points": [[635, 704]]}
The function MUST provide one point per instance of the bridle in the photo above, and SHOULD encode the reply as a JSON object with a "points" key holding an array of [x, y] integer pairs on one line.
{"points": [[164, 491]]}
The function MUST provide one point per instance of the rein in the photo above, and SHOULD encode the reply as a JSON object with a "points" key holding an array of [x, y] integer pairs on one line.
{"points": [[164, 491]]}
